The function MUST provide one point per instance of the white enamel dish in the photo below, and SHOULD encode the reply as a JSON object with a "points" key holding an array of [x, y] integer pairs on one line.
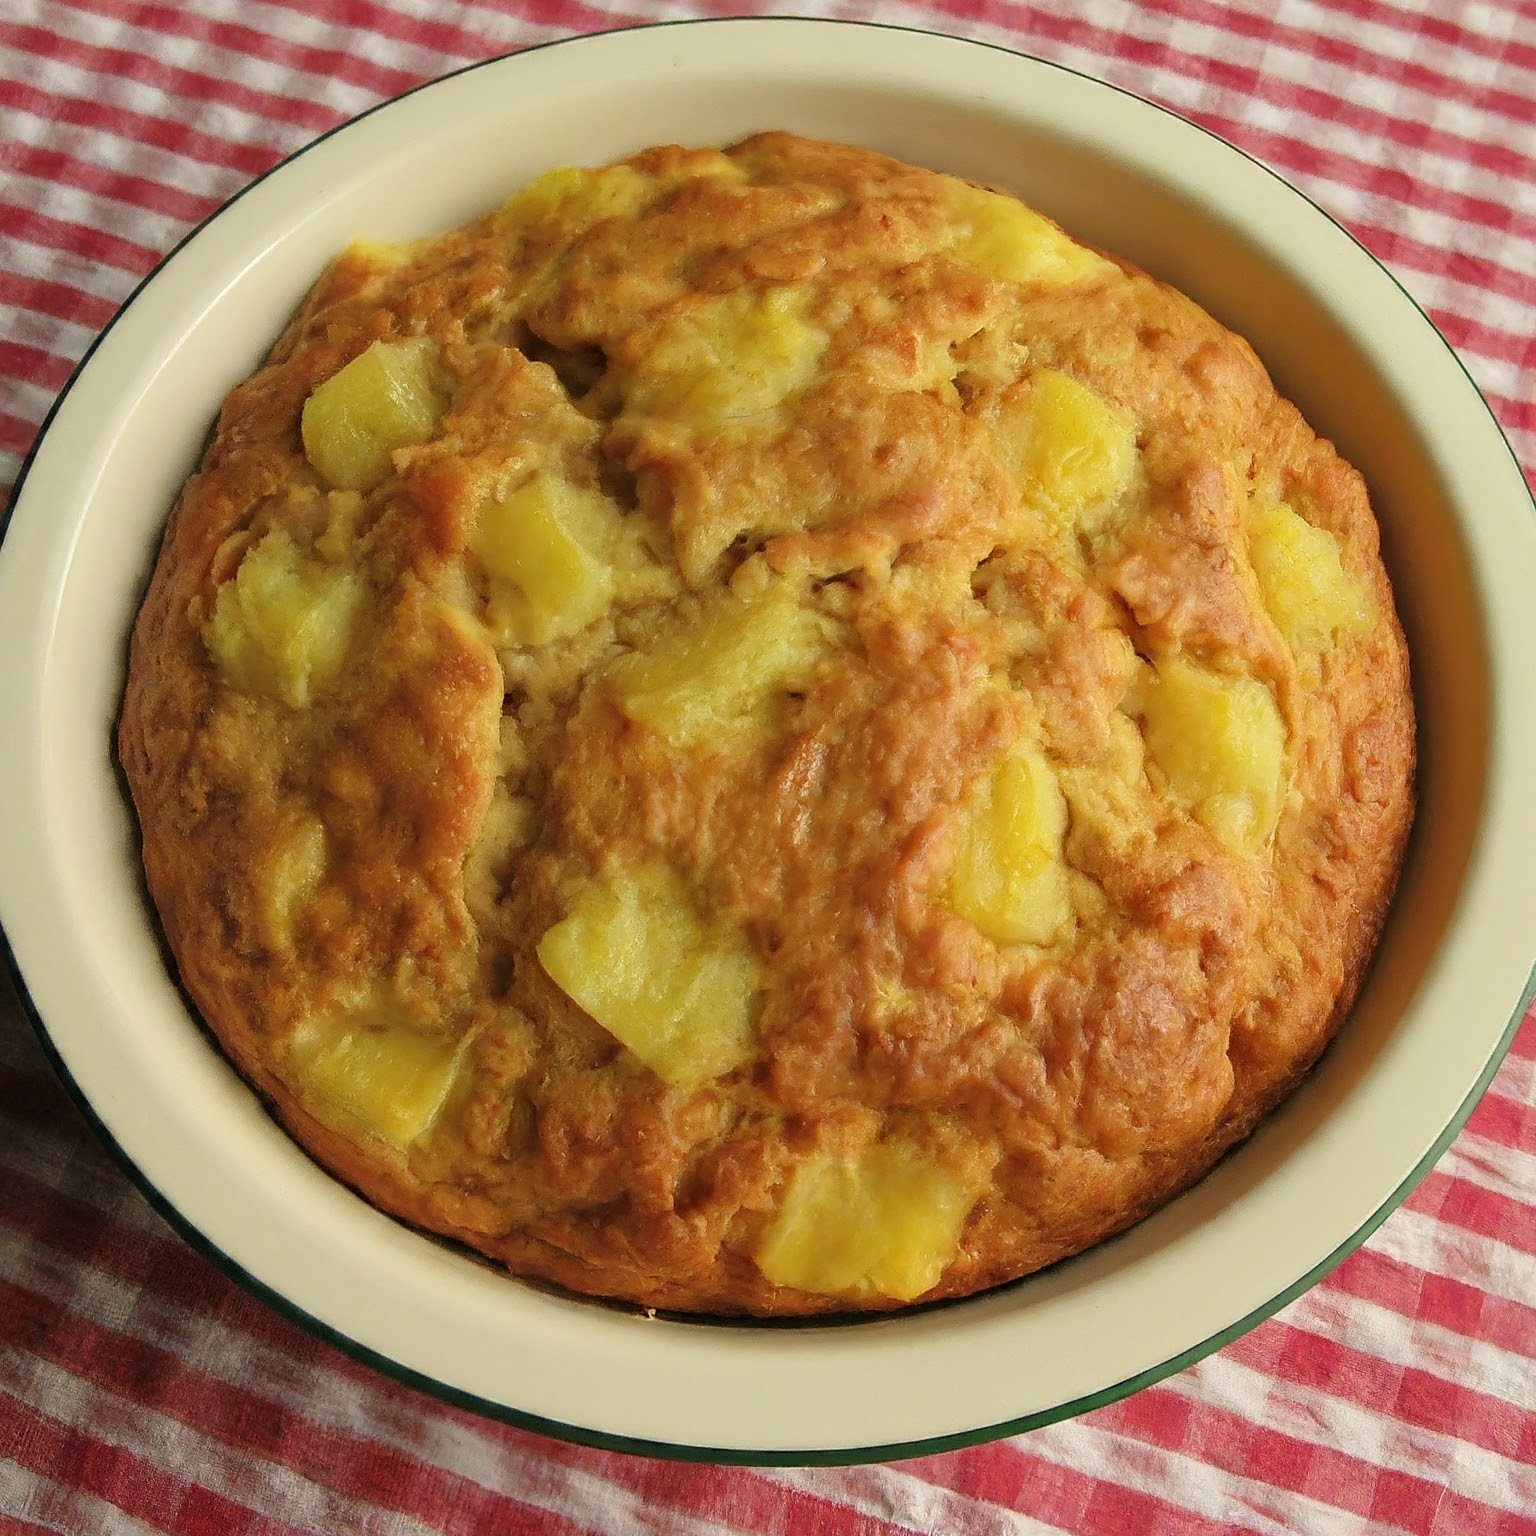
{"points": [[1340, 336]]}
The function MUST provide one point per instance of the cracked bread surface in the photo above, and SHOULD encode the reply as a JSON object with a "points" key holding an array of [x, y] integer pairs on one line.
{"points": [[761, 731]]}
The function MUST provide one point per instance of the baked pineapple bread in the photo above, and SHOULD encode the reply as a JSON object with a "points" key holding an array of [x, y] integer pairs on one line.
{"points": [[765, 732]]}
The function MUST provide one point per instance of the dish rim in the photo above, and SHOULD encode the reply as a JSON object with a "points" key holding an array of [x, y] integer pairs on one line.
{"points": [[448, 1392]]}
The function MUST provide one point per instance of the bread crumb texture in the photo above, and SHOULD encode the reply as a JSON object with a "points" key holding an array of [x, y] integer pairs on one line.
{"points": [[765, 732]]}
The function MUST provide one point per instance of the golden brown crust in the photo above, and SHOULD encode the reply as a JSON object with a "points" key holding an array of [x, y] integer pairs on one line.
{"points": [[394, 841]]}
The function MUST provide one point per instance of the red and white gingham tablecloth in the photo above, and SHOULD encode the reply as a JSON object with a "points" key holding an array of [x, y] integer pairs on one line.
{"points": [[141, 1391]]}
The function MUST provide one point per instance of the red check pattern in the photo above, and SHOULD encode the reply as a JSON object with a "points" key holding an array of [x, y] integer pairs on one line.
{"points": [[142, 1392]]}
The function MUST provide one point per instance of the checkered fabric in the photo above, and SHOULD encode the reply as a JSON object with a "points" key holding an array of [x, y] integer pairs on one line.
{"points": [[140, 1391]]}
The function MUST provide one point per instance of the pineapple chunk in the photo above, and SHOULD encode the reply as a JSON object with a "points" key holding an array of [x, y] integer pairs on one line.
{"points": [[1010, 879], [884, 1224], [532, 540], [1219, 741], [381, 401], [1308, 593], [724, 673], [1008, 240], [575, 198], [1069, 450], [383, 255], [571, 199], [281, 626], [726, 358], [366, 1070], [678, 992], [289, 872]]}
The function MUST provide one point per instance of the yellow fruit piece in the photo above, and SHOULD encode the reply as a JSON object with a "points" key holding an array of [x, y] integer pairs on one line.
{"points": [[1008, 240], [367, 1070], [728, 359], [723, 674], [575, 198], [532, 539], [678, 992], [1306, 589], [884, 1224], [1070, 450], [382, 401], [1010, 879], [1219, 741], [282, 624], [288, 873], [382, 255]]}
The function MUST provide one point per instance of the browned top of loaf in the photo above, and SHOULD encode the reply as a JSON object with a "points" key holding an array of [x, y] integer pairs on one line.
{"points": [[1017, 537]]}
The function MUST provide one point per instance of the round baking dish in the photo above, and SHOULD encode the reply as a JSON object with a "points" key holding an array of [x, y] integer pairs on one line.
{"points": [[1341, 338]]}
